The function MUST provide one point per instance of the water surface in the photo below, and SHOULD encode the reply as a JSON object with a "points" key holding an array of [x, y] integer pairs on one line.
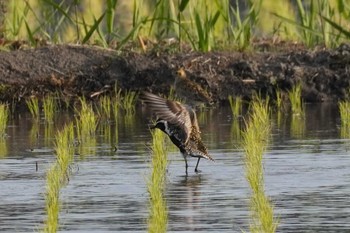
{"points": [[306, 177]]}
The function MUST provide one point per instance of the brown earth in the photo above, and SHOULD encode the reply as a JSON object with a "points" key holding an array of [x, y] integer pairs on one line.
{"points": [[89, 71]]}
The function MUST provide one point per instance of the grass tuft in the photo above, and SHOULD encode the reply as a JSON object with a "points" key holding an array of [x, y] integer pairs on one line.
{"points": [[57, 176], [296, 101], [49, 106], [4, 114], [344, 110], [128, 101], [236, 105], [255, 140], [158, 217], [33, 106], [86, 120]]}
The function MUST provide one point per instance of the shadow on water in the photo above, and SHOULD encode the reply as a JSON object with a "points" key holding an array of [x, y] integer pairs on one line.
{"points": [[306, 178]]}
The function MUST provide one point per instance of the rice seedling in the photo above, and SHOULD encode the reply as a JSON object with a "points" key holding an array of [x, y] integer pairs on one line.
{"points": [[58, 175], [128, 101], [278, 98], [33, 106], [105, 107], [49, 106], [344, 110], [296, 101], [53, 185], [255, 140], [86, 120], [64, 148], [236, 105], [158, 216], [4, 114]]}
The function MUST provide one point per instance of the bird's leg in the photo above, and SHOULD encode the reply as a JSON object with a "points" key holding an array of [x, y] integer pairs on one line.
{"points": [[196, 169], [186, 163]]}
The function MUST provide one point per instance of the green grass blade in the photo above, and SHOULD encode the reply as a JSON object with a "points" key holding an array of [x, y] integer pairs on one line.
{"points": [[93, 28], [337, 27], [183, 5]]}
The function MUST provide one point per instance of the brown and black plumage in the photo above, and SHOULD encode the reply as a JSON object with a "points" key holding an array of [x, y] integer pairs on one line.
{"points": [[179, 122]]}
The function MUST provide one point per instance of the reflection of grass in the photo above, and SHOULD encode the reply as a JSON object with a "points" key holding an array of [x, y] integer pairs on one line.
{"points": [[297, 127], [48, 134], [344, 110], [49, 106], [34, 131], [33, 106], [295, 100], [86, 120], [3, 148], [4, 114], [236, 132], [158, 218], [87, 147], [255, 141], [57, 176], [236, 105]]}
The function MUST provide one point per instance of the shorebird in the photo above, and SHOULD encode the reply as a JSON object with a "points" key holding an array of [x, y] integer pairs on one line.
{"points": [[190, 91], [179, 122]]}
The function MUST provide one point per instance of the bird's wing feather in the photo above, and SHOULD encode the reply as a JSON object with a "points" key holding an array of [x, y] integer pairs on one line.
{"points": [[171, 111]]}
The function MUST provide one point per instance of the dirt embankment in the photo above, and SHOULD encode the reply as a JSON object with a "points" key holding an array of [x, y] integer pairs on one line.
{"points": [[81, 70]]}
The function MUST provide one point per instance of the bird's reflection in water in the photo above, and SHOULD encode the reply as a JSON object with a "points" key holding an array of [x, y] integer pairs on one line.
{"points": [[184, 201]]}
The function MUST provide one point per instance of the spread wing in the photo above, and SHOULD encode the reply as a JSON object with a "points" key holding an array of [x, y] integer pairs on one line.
{"points": [[171, 111]]}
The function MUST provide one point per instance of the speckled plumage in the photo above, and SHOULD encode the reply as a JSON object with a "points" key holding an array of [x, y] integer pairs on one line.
{"points": [[179, 122]]}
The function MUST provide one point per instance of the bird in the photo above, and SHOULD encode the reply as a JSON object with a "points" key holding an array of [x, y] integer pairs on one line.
{"points": [[191, 92], [180, 123]]}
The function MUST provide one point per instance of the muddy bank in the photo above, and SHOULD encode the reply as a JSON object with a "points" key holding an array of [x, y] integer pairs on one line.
{"points": [[84, 71]]}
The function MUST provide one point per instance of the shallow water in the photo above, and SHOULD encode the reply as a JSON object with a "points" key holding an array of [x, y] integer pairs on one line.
{"points": [[306, 177]]}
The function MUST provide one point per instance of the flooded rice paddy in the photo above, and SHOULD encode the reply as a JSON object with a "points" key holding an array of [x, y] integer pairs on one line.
{"points": [[306, 172]]}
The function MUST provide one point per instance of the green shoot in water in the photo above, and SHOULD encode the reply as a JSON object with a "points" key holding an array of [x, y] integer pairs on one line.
{"points": [[236, 105], [58, 176], [255, 140], [344, 110], [33, 106], [86, 120], [129, 101], [296, 101], [49, 106], [158, 217], [4, 114]]}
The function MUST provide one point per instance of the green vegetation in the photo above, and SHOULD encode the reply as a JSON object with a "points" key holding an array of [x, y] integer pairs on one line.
{"points": [[344, 109], [49, 106], [105, 107], [128, 101], [255, 140], [296, 101], [86, 120], [203, 24], [4, 114], [57, 176], [236, 105], [158, 217], [33, 106]]}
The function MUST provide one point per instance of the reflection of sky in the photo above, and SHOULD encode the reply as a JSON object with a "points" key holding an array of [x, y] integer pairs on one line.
{"points": [[306, 179]]}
